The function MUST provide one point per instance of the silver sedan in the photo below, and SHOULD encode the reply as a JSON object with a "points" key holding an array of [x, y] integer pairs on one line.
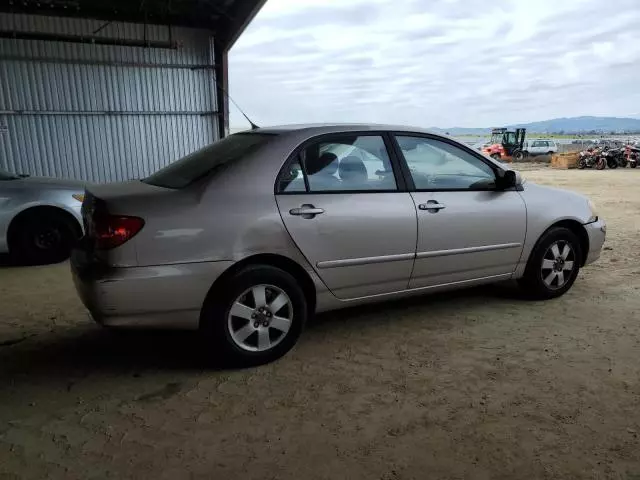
{"points": [[247, 238], [39, 217]]}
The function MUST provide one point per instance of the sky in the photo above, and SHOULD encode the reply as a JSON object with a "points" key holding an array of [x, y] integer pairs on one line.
{"points": [[437, 63]]}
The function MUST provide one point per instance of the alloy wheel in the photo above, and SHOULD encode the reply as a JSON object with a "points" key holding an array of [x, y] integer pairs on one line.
{"points": [[558, 264], [260, 318]]}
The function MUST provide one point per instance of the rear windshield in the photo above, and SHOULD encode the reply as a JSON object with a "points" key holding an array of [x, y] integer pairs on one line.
{"points": [[202, 162]]}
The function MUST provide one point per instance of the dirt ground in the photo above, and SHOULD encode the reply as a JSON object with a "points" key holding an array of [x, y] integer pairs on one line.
{"points": [[477, 384]]}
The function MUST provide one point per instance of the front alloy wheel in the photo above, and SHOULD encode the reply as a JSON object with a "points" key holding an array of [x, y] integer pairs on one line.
{"points": [[557, 264], [553, 264]]}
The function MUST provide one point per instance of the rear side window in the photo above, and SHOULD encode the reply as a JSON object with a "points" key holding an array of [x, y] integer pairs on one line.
{"points": [[341, 163], [203, 162]]}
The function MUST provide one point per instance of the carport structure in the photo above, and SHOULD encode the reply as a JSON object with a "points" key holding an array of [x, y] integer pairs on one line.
{"points": [[107, 90]]}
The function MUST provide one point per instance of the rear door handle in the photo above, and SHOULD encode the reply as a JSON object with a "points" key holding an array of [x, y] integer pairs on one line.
{"points": [[306, 211], [431, 205]]}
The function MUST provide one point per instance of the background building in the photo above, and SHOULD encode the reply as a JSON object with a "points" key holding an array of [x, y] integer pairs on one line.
{"points": [[104, 90]]}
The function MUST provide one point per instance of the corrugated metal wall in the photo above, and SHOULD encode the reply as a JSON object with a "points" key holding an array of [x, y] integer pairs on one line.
{"points": [[100, 112]]}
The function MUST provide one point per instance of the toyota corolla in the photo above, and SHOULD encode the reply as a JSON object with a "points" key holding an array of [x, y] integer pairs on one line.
{"points": [[250, 236]]}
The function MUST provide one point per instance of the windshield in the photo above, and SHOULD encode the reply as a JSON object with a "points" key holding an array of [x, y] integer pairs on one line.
{"points": [[202, 162], [4, 175]]}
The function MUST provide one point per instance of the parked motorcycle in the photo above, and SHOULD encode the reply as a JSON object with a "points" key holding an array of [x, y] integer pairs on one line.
{"points": [[591, 157], [614, 157], [631, 155]]}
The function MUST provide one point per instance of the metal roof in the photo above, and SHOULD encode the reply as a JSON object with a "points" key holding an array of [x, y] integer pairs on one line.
{"points": [[226, 18]]}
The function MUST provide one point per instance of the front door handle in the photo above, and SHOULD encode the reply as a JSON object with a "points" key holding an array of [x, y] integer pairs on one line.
{"points": [[306, 211], [431, 205]]}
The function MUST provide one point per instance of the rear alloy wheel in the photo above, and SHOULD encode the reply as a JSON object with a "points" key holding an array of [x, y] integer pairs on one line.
{"points": [[260, 318], [553, 266], [257, 318], [42, 237]]}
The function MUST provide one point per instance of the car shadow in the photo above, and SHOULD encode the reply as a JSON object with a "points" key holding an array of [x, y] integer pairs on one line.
{"points": [[429, 303], [10, 261], [55, 357]]}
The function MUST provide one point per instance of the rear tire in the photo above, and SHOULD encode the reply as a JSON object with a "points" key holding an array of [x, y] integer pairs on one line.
{"points": [[42, 237], [548, 273], [633, 164], [495, 156], [600, 164], [265, 300], [518, 155]]}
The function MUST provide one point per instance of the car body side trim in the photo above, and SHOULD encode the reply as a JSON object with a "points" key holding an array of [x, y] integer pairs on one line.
{"points": [[350, 262], [471, 281], [459, 251]]}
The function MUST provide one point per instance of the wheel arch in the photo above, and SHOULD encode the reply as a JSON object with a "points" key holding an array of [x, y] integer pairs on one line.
{"points": [[23, 215], [577, 228], [279, 261]]}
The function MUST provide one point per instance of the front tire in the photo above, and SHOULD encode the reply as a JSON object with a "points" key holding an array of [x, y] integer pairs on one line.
{"points": [[553, 265], [255, 318], [518, 155], [600, 164]]}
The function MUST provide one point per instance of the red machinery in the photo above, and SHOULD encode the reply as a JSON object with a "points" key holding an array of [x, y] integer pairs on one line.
{"points": [[506, 145]]}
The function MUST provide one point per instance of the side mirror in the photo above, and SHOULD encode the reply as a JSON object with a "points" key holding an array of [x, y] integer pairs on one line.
{"points": [[509, 179]]}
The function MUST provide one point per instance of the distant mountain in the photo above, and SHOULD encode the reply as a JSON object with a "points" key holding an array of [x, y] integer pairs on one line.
{"points": [[563, 125]]}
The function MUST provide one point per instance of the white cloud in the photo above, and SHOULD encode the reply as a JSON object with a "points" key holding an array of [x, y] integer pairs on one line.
{"points": [[438, 63]]}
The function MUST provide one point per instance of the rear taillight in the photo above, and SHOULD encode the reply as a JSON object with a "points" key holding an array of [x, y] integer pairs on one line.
{"points": [[110, 231]]}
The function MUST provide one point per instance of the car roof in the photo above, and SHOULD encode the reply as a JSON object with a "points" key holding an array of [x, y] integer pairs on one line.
{"points": [[321, 128]]}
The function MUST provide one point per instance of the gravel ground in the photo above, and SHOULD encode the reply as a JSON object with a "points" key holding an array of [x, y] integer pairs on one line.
{"points": [[476, 384]]}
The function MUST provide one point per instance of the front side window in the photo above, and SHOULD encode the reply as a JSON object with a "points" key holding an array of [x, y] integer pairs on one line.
{"points": [[437, 165], [205, 161], [538, 144], [354, 163]]}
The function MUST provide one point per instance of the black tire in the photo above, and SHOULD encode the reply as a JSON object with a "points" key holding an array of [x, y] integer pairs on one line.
{"points": [[495, 156], [582, 164], [215, 321], [526, 154], [612, 163], [518, 155], [633, 164], [600, 164], [533, 282], [42, 236], [549, 153]]}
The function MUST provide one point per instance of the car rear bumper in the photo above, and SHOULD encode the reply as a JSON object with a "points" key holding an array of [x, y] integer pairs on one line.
{"points": [[597, 232], [165, 296]]}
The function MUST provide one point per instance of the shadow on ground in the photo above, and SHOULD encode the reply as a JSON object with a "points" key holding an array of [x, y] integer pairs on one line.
{"points": [[8, 261], [88, 349]]}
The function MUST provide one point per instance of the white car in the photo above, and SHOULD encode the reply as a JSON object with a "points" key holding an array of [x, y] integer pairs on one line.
{"points": [[540, 147], [39, 217]]}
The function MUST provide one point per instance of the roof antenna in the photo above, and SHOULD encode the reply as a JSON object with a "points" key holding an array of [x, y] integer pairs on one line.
{"points": [[253, 125]]}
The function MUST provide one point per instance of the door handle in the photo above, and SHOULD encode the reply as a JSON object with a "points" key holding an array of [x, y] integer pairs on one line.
{"points": [[306, 211], [431, 205]]}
